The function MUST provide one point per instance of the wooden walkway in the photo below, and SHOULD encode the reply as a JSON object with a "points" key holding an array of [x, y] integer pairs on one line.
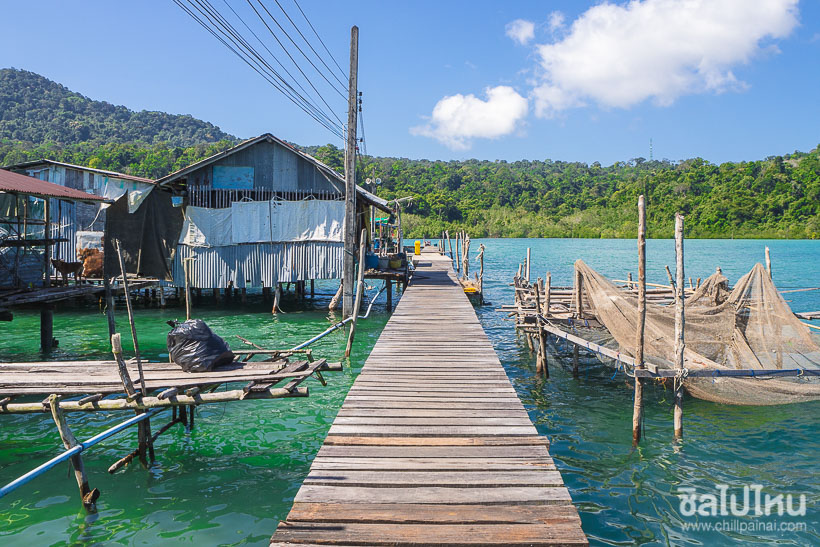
{"points": [[432, 446]]}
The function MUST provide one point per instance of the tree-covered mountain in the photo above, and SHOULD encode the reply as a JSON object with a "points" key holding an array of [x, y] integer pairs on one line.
{"points": [[778, 196], [774, 197], [37, 110]]}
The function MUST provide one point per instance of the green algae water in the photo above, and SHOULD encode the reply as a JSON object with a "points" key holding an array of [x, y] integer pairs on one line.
{"points": [[231, 479]]}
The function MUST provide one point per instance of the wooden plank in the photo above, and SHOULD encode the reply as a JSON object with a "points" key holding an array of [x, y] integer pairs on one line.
{"points": [[453, 479], [409, 513], [432, 445]]}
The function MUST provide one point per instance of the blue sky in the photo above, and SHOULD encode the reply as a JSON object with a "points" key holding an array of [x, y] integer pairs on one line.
{"points": [[726, 80]]}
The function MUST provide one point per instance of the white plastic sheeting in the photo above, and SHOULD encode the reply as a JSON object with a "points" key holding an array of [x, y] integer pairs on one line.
{"points": [[251, 222], [206, 227], [264, 222], [313, 220], [137, 192]]}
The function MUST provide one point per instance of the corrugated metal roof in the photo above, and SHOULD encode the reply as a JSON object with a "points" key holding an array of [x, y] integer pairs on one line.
{"points": [[112, 174], [22, 184], [326, 169]]}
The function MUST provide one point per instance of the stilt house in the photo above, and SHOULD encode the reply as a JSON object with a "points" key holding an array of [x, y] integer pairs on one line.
{"points": [[261, 213]]}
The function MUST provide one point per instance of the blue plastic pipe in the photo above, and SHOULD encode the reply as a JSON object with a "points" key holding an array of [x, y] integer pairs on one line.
{"points": [[37, 471]]}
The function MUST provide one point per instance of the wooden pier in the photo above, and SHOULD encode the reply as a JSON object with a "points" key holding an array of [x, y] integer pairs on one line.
{"points": [[432, 445]]}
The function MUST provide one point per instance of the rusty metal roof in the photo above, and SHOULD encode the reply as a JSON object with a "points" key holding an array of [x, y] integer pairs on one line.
{"points": [[22, 184], [45, 161]]}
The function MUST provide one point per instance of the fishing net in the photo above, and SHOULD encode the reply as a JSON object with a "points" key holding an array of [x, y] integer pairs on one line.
{"points": [[748, 327]]}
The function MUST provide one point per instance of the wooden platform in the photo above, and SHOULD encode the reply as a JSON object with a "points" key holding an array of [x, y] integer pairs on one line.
{"points": [[432, 446]]}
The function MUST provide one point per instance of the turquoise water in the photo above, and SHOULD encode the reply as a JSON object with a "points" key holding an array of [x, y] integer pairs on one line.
{"points": [[231, 479]]}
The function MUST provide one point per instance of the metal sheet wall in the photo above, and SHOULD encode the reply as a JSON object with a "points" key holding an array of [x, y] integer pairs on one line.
{"points": [[258, 265]]}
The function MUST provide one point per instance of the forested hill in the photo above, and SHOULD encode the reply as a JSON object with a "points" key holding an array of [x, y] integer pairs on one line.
{"points": [[778, 196], [34, 109], [775, 197]]}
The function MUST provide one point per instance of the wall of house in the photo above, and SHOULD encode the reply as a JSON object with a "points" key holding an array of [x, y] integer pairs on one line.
{"points": [[263, 171]]}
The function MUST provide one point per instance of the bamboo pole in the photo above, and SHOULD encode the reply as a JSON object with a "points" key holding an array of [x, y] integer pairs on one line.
{"points": [[131, 315], [357, 304], [680, 344], [144, 403], [637, 407], [88, 495]]}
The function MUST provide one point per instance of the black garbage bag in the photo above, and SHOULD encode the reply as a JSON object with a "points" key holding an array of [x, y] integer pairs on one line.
{"points": [[194, 346]]}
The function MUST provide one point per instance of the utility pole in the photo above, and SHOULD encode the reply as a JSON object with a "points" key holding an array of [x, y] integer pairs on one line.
{"points": [[350, 177]]}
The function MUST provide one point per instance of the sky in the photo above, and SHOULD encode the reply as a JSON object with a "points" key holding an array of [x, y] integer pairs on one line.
{"points": [[725, 80]]}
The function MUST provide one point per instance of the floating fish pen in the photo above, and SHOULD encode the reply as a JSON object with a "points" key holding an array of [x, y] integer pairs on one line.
{"points": [[734, 345]]}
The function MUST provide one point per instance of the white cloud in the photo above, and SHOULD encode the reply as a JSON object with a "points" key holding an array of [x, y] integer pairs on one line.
{"points": [[459, 118], [521, 31], [555, 21], [620, 55]]}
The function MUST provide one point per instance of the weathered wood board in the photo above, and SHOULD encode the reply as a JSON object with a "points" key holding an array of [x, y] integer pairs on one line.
{"points": [[432, 445]]}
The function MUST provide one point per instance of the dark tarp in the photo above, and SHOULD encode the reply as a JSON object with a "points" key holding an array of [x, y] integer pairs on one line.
{"points": [[148, 237]]}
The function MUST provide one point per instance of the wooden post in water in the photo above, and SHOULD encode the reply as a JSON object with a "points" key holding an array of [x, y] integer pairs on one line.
{"points": [[671, 279], [541, 363], [277, 296], [481, 272], [46, 327], [680, 344], [357, 304], [579, 299], [389, 291], [450, 244], [637, 406], [334, 302], [768, 263], [88, 495], [528, 265], [466, 258], [547, 291]]}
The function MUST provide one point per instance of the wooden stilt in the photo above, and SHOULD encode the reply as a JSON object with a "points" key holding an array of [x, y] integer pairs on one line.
{"points": [[46, 327], [680, 344], [359, 290], [277, 296], [529, 252], [637, 405], [389, 291], [89, 496], [334, 302], [311, 289], [579, 291], [574, 361], [547, 290], [186, 270], [541, 366], [244, 297], [768, 262]]}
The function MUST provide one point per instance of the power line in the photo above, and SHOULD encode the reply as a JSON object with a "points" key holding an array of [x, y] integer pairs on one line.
{"points": [[310, 46], [341, 71], [274, 57], [211, 21], [310, 83], [341, 93], [252, 51]]}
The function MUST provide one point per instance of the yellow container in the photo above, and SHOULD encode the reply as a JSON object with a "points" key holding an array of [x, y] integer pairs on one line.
{"points": [[418, 247]]}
